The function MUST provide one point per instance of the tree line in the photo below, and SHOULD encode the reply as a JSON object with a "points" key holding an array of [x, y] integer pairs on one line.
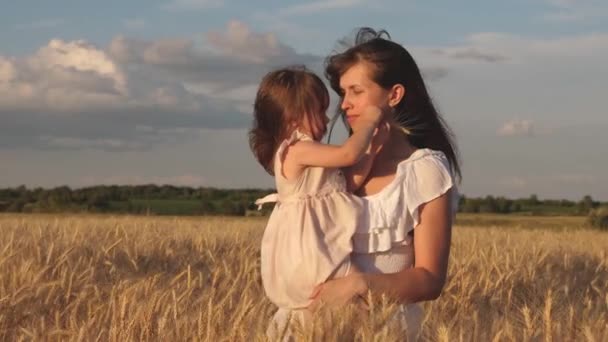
{"points": [[182, 200]]}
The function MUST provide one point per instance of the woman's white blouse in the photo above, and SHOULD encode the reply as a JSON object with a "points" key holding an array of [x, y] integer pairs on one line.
{"points": [[393, 212]]}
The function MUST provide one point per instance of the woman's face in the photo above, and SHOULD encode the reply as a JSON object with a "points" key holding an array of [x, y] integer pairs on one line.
{"points": [[360, 91]]}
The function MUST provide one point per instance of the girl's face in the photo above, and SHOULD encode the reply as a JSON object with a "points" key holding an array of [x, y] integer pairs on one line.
{"points": [[360, 91]]}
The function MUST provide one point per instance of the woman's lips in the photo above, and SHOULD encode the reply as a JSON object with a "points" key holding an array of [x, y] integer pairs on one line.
{"points": [[351, 118]]}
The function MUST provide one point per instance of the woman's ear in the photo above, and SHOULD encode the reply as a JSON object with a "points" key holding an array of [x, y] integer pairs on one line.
{"points": [[396, 94]]}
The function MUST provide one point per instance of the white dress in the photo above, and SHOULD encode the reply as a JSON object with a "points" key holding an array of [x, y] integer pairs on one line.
{"points": [[384, 245], [308, 237]]}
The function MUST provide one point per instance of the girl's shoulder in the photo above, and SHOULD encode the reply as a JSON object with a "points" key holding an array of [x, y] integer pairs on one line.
{"points": [[293, 138], [281, 156]]}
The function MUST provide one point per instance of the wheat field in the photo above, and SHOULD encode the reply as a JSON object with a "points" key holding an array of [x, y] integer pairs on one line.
{"points": [[126, 278]]}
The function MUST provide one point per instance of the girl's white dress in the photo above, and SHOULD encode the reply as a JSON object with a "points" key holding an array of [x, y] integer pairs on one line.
{"points": [[308, 237]]}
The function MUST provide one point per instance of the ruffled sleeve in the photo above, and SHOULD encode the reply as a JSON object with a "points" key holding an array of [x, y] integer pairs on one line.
{"points": [[280, 154], [427, 179], [394, 212]]}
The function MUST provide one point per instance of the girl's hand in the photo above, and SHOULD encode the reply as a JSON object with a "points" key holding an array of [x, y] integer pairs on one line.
{"points": [[338, 292], [381, 135]]}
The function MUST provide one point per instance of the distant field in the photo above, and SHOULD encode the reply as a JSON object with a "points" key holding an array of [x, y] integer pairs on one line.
{"points": [[137, 278], [159, 207], [521, 221]]}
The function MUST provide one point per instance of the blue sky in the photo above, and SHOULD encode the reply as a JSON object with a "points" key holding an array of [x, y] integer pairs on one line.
{"points": [[147, 91]]}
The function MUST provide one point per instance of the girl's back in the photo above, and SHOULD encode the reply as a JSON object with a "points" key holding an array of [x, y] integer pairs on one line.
{"points": [[308, 236], [313, 181]]}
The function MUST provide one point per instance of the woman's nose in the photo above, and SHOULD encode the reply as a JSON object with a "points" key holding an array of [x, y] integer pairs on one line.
{"points": [[345, 104]]}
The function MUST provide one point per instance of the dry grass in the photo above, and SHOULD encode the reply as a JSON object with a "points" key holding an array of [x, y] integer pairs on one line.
{"points": [[127, 278]]}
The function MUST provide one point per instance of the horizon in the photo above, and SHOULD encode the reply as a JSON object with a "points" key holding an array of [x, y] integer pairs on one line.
{"points": [[148, 92], [271, 189]]}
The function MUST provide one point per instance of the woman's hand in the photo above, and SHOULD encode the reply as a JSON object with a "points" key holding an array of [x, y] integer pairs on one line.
{"points": [[338, 292]]}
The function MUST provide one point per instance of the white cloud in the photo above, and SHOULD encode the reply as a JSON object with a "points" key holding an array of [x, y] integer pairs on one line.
{"points": [[168, 51], [183, 5], [318, 6], [61, 77], [162, 51], [516, 128], [471, 53], [234, 46], [576, 10], [72, 94], [240, 42], [8, 71], [512, 63], [78, 56], [434, 73], [517, 50]]}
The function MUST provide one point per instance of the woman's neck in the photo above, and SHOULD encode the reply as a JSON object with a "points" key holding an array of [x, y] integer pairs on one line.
{"points": [[396, 148]]}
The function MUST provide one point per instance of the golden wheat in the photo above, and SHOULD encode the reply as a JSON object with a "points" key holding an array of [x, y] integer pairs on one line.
{"points": [[122, 278]]}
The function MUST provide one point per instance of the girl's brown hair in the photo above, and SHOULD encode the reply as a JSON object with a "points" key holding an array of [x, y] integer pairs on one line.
{"points": [[285, 97]]}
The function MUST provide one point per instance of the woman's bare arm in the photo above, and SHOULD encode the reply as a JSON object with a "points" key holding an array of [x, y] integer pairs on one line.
{"points": [[423, 282], [426, 279]]}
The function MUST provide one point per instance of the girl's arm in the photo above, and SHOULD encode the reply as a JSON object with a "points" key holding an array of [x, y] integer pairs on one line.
{"points": [[356, 174], [312, 153], [425, 281]]}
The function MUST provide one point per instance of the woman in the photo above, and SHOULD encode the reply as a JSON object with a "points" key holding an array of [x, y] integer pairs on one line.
{"points": [[411, 184]]}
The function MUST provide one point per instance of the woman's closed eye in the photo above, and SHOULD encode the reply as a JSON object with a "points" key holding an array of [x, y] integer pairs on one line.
{"points": [[350, 91]]}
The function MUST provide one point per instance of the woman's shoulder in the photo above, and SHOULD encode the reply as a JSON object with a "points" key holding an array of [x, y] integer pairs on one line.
{"points": [[422, 177], [422, 157], [424, 167]]}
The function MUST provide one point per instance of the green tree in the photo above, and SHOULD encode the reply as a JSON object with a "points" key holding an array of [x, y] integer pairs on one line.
{"points": [[598, 217], [488, 205], [533, 200], [585, 205]]}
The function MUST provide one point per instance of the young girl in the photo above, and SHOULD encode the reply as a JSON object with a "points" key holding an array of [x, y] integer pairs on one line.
{"points": [[308, 236]]}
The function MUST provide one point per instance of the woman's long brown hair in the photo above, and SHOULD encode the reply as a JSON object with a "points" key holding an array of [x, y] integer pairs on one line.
{"points": [[392, 64]]}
